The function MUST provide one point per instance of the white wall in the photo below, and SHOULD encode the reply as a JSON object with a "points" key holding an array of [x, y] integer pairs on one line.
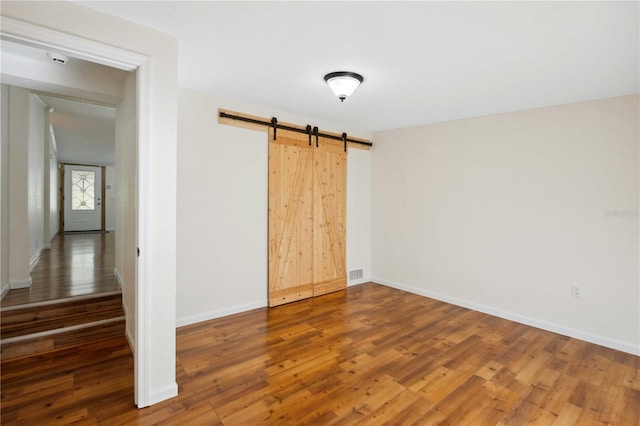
{"points": [[18, 241], [222, 207], [36, 141], [124, 192], [26, 192], [110, 198], [4, 192], [54, 176], [50, 206], [504, 213], [156, 369]]}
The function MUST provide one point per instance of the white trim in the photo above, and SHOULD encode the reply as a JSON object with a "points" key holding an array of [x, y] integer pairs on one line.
{"points": [[142, 389], [522, 319], [206, 316], [46, 246], [4, 292], [358, 282], [70, 45], [53, 141], [40, 101], [162, 394], [78, 47], [26, 283]]}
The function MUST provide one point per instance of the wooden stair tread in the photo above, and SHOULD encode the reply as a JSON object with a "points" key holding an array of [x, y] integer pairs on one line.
{"points": [[62, 339], [66, 303], [20, 317], [38, 325], [45, 326]]}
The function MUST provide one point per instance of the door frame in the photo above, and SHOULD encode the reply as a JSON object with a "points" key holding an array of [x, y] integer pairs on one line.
{"points": [[46, 38], [103, 206]]}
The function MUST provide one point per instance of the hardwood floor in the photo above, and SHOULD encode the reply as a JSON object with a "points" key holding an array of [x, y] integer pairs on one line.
{"points": [[76, 265], [367, 355], [74, 299]]}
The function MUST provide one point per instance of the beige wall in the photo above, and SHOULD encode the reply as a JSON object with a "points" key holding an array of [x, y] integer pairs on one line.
{"points": [[504, 213]]}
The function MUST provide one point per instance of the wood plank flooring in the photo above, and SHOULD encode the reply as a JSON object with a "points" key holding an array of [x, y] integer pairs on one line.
{"points": [[76, 265], [368, 355]]}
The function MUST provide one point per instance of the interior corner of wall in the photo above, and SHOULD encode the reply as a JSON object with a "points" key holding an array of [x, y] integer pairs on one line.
{"points": [[23, 283], [4, 291], [131, 340], [116, 274]]}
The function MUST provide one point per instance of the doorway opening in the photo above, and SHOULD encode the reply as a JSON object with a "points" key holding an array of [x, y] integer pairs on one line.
{"points": [[133, 119]]}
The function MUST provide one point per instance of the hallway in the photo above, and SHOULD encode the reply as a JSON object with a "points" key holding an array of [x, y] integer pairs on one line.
{"points": [[76, 265]]}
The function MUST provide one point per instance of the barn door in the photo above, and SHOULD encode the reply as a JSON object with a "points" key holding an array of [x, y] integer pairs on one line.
{"points": [[329, 215], [290, 218], [307, 216]]}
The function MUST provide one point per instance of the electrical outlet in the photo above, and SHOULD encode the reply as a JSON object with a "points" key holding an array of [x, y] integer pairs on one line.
{"points": [[576, 291]]}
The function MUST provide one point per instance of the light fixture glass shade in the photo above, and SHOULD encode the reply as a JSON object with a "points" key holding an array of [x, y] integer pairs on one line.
{"points": [[343, 83]]}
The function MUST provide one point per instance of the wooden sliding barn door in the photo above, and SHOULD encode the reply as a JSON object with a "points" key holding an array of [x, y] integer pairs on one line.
{"points": [[330, 218], [290, 218], [307, 217]]}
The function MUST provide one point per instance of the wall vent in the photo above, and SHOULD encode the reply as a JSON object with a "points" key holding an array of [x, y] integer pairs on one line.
{"points": [[356, 274]]}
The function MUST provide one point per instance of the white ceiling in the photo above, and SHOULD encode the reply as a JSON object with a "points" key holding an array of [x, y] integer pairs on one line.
{"points": [[423, 62], [80, 94], [84, 132]]}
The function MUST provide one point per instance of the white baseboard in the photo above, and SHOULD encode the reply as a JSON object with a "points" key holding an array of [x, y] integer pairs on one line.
{"points": [[127, 332], [522, 319], [25, 283], [358, 282], [118, 277], [34, 259], [132, 343], [206, 316], [110, 229], [219, 313], [162, 394], [47, 246]]}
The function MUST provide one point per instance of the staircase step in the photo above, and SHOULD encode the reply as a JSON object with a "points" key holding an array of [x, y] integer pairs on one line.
{"points": [[61, 338], [54, 315]]}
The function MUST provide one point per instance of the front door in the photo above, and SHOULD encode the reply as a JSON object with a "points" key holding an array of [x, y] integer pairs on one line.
{"points": [[82, 198]]}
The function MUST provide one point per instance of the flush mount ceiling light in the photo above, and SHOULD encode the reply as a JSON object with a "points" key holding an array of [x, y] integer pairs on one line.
{"points": [[343, 83]]}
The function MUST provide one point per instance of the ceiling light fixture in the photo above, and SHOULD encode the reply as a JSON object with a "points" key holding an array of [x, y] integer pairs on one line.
{"points": [[343, 83]]}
